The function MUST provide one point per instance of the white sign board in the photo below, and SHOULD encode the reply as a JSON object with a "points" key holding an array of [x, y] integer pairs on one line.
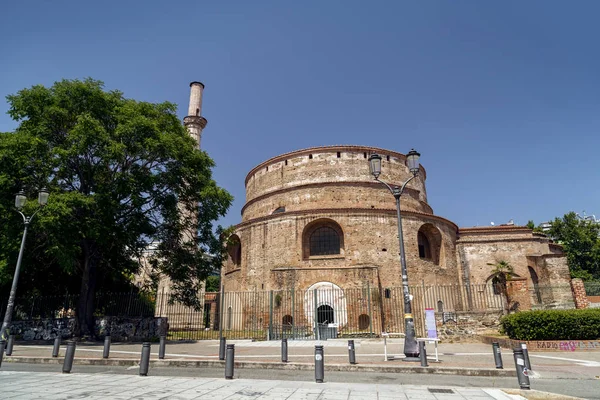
{"points": [[430, 323]]}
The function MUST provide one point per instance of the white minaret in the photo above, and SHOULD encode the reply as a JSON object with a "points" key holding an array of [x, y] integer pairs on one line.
{"points": [[195, 122]]}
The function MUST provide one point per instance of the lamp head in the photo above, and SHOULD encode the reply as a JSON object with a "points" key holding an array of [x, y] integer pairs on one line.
{"points": [[43, 197], [375, 165], [412, 161], [20, 200]]}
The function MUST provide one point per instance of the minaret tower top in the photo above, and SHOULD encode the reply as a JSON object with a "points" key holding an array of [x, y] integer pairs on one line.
{"points": [[195, 122]]}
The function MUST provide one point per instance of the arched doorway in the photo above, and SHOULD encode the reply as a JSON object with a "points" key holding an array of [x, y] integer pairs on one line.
{"points": [[325, 314], [325, 307], [536, 287]]}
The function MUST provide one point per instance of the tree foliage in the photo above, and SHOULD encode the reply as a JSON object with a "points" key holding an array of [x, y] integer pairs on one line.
{"points": [[213, 283], [581, 242], [122, 174]]}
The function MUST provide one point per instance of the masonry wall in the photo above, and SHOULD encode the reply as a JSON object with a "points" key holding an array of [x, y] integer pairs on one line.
{"points": [[121, 329], [288, 193], [322, 165], [532, 256]]}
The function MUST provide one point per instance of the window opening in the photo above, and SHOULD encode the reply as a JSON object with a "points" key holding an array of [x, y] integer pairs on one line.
{"points": [[424, 248], [324, 241], [287, 321], [496, 285], [363, 321]]}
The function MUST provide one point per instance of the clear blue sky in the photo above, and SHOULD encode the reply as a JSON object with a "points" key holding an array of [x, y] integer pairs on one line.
{"points": [[502, 99]]}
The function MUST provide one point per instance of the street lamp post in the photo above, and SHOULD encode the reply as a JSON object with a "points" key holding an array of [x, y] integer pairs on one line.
{"points": [[20, 200], [411, 348]]}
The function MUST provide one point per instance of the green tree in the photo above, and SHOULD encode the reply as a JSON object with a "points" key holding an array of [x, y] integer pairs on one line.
{"points": [[581, 243], [536, 228], [213, 283], [122, 174]]}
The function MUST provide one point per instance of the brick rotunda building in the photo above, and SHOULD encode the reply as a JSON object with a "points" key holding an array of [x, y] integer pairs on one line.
{"points": [[315, 218]]}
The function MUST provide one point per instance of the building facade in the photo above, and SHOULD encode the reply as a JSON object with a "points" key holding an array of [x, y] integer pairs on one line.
{"points": [[315, 218]]}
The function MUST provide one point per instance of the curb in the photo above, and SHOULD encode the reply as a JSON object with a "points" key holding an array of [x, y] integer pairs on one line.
{"points": [[128, 362], [538, 395]]}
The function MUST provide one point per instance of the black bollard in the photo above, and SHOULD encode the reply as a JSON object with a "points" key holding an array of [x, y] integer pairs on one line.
{"points": [[10, 344], [522, 371], [2, 344], [284, 350], [222, 343], [497, 355], [319, 364], [106, 351], [56, 348], [69, 356], [161, 347], [525, 356], [229, 361], [423, 354], [351, 352], [145, 360]]}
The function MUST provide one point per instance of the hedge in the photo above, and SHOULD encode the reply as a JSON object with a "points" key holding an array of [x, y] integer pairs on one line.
{"points": [[552, 325]]}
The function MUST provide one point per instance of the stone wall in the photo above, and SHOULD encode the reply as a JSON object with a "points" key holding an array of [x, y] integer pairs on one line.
{"points": [[533, 257], [458, 326], [288, 195], [272, 255], [121, 329]]}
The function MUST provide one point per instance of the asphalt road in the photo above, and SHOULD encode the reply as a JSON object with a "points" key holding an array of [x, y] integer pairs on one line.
{"points": [[584, 388]]}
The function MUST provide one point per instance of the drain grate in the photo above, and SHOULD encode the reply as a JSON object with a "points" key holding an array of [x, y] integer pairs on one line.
{"points": [[434, 390]]}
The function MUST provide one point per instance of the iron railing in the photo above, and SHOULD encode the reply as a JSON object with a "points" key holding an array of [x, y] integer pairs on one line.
{"points": [[592, 288], [297, 314]]}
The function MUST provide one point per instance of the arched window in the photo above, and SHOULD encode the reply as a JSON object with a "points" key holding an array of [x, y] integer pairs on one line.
{"points": [[536, 285], [324, 241], [429, 241], [322, 238], [363, 321], [287, 321], [279, 210], [234, 249], [440, 306], [424, 248], [497, 285]]}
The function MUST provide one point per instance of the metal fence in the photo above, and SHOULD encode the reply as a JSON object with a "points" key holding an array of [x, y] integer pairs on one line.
{"points": [[64, 306], [297, 314], [592, 288]]}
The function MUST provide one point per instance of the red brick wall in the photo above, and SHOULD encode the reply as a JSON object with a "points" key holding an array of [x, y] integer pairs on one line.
{"points": [[579, 295], [518, 293]]}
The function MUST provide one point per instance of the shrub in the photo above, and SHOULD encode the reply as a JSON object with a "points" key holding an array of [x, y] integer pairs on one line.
{"points": [[552, 325]]}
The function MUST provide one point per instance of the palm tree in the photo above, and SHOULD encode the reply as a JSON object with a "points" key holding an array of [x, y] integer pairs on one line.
{"points": [[501, 273]]}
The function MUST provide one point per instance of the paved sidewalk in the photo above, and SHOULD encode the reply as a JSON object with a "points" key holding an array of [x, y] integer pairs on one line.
{"points": [[51, 386], [369, 353]]}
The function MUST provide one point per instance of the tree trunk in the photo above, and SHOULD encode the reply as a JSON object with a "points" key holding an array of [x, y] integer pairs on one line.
{"points": [[87, 295]]}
